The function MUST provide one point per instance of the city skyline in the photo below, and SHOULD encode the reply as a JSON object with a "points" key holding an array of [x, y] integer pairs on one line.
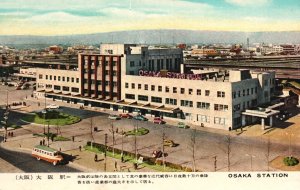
{"points": [[66, 18]]}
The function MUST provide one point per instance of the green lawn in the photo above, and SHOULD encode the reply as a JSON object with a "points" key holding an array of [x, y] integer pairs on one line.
{"points": [[132, 160], [58, 118], [139, 132], [56, 138]]}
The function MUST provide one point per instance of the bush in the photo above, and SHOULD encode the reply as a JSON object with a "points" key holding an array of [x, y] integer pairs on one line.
{"points": [[290, 161]]}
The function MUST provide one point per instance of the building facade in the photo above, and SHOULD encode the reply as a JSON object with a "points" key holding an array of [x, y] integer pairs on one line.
{"points": [[132, 78]]}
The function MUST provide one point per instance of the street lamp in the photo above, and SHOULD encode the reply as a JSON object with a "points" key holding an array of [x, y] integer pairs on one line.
{"points": [[290, 140]]}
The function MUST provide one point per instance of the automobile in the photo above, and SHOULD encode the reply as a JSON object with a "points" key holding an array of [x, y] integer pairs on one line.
{"points": [[114, 117], [157, 154], [52, 106], [18, 88], [169, 143], [182, 125], [125, 115], [10, 84], [158, 120], [140, 118]]}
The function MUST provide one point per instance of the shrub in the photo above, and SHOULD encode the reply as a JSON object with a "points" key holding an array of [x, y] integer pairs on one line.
{"points": [[290, 161]]}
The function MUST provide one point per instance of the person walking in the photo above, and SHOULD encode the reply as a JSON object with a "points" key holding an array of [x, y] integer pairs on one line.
{"points": [[96, 158], [73, 138]]}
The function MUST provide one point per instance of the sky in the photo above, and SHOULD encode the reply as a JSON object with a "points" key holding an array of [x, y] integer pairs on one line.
{"points": [[69, 17]]}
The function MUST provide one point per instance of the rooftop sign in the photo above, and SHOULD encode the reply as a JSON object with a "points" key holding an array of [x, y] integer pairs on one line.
{"points": [[166, 74]]}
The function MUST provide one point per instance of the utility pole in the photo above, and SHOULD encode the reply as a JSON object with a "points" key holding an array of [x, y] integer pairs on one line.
{"points": [[163, 150], [113, 136], [215, 163], [122, 146], [105, 142], [48, 133], [135, 142]]}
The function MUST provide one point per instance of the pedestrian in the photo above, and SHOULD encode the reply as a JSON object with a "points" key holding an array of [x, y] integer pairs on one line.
{"points": [[96, 158], [52, 138], [122, 159], [41, 142], [12, 134], [116, 165], [117, 130], [9, 134], [73, 138], [80, 148]]}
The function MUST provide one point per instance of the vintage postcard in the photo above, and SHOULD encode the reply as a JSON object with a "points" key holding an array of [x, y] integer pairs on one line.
{"points": [[102, 94]]}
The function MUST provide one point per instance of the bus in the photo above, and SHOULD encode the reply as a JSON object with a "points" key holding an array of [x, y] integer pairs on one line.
{"points": [[46, 153]]}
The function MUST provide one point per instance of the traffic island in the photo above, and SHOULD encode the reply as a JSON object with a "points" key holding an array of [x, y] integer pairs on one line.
{"points": [[280, 164], [51, 117], [138, 161], [137, 132]]}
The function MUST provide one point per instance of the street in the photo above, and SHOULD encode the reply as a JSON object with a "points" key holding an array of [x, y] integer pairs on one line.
{"points": [[211, 148]]}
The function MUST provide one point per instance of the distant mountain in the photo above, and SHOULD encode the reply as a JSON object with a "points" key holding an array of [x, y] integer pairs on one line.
{"points": [[157, 37]]}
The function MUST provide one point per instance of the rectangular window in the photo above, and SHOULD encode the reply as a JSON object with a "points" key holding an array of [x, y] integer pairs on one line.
{"points": [[139, 86], [58, 78], [142, 98], [66, 88], [203, 105], [219, 120], [171, 101], [159, 88], [203, 118], [133, 85], [220, 94], [234, 95], [40, 76], [198, 92], [190, 91], [46, 77], [54, 78], [207, 92], [50, 77], [174, 90], [75, 89], [167, 89], [146, 87], [186, 103], [152, 87], [56, 87], [126, 84], [251, 90], [68, 79], [239, 93], [248, 92], [131, 63], [156, 99], [77, 80], [244, 93], [63, 79], [130, 96], [181, 90], [220, 107]]}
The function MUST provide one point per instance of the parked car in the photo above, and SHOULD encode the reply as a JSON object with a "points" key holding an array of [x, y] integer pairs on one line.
{"points": [[140, 118], [114, 117], [125, 115], [18, 88], [169, 143], [182, 125], [52, 106], [158, 120], [157, 154]]}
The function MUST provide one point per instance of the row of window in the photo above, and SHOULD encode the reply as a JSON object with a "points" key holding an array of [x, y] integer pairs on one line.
{"points": [[244, 92], [206, 119], [99, 82], [59, 78], [167, 89], [106, 72], [114, 63], [244, 105], [184, 103], [56, 87]]}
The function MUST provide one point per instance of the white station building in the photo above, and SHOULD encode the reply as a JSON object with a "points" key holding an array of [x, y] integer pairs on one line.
{"points": [[149, 81]]}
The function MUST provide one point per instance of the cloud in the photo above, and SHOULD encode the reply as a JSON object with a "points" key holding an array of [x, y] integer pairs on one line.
{"points": [[249, 2]]}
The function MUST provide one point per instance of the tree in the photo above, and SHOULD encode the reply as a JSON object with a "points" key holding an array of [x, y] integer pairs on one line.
{"points": [[227, 149], [267, 154], [193, 147]]}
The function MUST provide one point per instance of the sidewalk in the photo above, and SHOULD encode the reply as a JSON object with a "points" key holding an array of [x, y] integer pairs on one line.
{"points": [[84, 160], [6, 167]]}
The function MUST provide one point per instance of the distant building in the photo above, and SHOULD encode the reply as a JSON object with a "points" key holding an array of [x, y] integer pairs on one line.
{"points": [[203, 52]]}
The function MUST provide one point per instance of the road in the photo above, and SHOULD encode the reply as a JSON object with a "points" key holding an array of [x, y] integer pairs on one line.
{"points": [[242, 150], [27, 163]]}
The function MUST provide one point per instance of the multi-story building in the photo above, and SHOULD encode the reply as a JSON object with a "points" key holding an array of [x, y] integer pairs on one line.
{"points": [[271, 49], [137, 79]]}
